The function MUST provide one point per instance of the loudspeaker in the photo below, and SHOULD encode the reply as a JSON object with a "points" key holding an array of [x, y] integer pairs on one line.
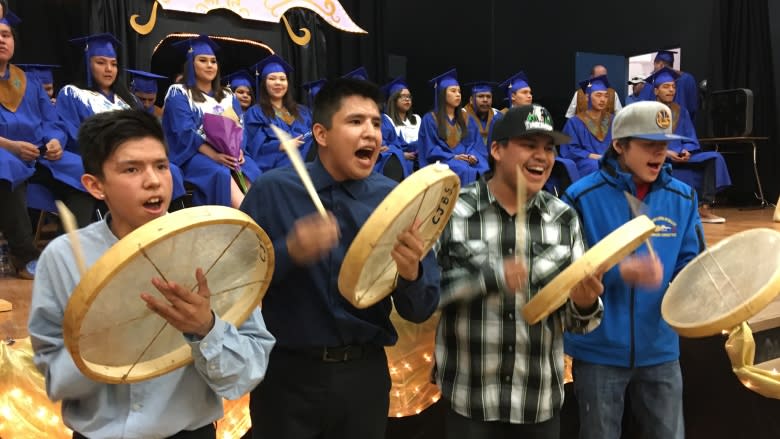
{"points": [[730, 113]]}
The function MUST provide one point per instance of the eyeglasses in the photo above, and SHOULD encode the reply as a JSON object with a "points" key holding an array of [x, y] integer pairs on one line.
{"points": [[409, 97]]}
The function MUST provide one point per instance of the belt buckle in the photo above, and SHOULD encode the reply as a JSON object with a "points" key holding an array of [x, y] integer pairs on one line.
{"points": [[326, 357]]}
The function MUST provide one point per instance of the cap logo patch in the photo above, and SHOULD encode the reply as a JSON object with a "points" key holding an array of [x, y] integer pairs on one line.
{"points": [[539, 119], [663, 119]]}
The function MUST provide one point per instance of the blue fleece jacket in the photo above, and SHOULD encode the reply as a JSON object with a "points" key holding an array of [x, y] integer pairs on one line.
{"points": [[633, 333]]}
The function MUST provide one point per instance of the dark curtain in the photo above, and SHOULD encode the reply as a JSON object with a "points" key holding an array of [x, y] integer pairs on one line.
{"points": [[113, 16], [332, 52], [743, 59]]}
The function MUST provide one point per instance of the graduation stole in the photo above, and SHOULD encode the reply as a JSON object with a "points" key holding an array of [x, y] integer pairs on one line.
{"points": [[12, 89], [483, 131], [582, 101], [454, 133], [597, 127], [675, 107], [285, 115]]}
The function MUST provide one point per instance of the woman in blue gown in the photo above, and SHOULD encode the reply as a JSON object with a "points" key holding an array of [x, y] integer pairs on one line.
{"points": [[447, 136], [275, 106], [31, 149], [99, 91], [185, 104]]}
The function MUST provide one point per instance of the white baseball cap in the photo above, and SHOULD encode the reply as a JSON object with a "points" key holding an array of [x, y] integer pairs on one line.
{"points": [[650, 120]]}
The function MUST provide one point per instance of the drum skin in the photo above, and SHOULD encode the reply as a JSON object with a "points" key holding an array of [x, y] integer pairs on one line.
{"points": [[368, 273], [108, 330], [605, 254], [725, 285]]}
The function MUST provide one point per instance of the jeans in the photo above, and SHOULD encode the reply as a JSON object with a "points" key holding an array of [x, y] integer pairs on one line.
{"points": [[655, 393]]}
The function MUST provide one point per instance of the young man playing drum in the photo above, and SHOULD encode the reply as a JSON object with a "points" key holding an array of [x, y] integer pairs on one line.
{"points": [[126, 165], [501, 377], [634, 350], [328, 375]]}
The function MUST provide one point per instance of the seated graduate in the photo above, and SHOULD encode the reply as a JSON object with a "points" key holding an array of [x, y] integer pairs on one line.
{"points": [[687, 95], [45, 75], [275, 106], [207, 169], [705, 171], [579, 102], [591, 129], [448, 136], [637, 83], [241, 84], [398, 116], [519, 93], [32, 141], [143, 85], [392, 160], [97, 90], [480, 107], [328, 377], [126, 164]]}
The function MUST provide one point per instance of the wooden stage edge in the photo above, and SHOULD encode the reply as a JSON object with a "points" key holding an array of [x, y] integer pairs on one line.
{"points": [[14, 323]]}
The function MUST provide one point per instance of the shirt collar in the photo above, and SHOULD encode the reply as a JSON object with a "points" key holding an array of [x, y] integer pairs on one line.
{"points": [[323, 180], [486, 198]]}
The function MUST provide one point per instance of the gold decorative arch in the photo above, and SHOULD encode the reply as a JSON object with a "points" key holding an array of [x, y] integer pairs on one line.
{"points": [[271, 11]]}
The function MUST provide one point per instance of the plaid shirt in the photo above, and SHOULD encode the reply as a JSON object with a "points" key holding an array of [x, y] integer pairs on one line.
{"points": [[492, 366]]}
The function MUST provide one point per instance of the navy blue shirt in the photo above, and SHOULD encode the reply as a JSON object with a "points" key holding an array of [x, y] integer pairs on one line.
{"points": [[303, 307]]}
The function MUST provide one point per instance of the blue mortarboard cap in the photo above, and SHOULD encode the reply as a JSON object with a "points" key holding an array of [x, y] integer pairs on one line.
{"points": [[271, 64], [312, 88], [481, 87], [359, 73], [662, 76], [41, 71], [666, 56], [10, 19], [96, 45], [394, 86], [200, 45], [144, 82], [446, 79], [240, 78], [266, 66], [599, 83], [515, 82]]}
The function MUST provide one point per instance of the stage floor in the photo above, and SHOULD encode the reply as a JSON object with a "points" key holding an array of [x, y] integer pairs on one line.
{"points": [[14, 323]]}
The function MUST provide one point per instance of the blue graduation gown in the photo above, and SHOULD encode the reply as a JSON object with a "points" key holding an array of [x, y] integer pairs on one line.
{"points": [[584, 142], [692, 172], [183, 127], [687, 93], [35, 121], [74, 105], [432, 149], [396, 147], [562, 168], [261, 143]]}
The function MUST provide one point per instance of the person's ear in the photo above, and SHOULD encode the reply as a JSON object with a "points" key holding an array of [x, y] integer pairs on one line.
{"points": [[320, 134], [94, 186]]}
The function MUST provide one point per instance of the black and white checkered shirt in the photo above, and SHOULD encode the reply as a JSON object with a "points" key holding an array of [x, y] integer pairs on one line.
{"points": [[492, 366]]}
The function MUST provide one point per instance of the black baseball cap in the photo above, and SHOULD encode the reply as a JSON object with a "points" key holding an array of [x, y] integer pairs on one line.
{"points": [[527, 120]]}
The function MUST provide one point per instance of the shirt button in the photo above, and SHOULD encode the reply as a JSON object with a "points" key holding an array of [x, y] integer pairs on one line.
{"points": [[510, 316], [137, 407], [213, 367], [510, 251], [204, 345], [510, 348], [507, 378]]}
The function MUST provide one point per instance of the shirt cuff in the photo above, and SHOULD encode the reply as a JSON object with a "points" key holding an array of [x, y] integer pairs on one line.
{"points": [[589, 314], [210, 345]]}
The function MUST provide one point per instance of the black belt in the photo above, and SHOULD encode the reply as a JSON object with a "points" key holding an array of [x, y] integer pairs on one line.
{"points": [[334, 354], [207, 431]]}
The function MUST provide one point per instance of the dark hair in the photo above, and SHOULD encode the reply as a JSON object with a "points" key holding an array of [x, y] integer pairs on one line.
{"points": [[442, 118], [219, 90], [264, 100], [611, 152], [593, 69], [328, 101], [118, 87], [391, 108], [491, 160], [100, 135]]}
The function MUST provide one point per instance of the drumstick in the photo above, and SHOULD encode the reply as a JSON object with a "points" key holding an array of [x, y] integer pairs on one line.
{"points": [[295, 157], [70, 226], [520, 217], [637, 206]]}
